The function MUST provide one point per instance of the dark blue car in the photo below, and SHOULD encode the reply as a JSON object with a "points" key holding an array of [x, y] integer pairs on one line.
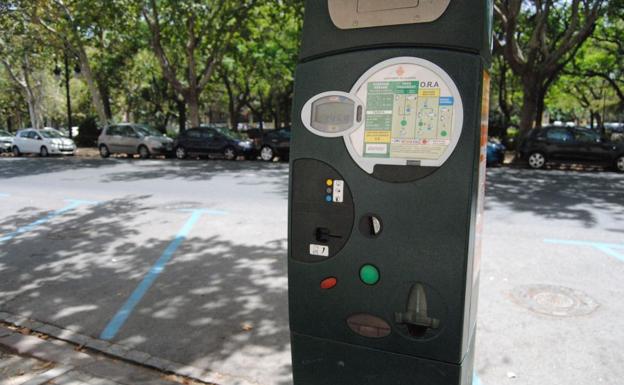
{"points": [[495, 153], [209, 141]]}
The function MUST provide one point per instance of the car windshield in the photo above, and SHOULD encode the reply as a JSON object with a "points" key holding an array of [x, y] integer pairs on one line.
{"points": [[231, 134], [50, 134], [147, 131], [5, 133]]}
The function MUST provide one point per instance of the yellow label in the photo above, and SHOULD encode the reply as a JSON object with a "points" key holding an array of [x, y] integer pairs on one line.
{"points": [[429, 92], [378, 136]]}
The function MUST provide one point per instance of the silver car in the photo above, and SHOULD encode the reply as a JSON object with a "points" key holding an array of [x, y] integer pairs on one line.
{"points": [[133, 139]]}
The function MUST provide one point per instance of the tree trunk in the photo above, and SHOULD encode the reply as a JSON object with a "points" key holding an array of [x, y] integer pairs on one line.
{"points": [[232, 110], [105, 92], [529, 105], [96, 97], [539, 111], [32, 112], [181, 105], [192, 101], [591, 119], [502, 101]]}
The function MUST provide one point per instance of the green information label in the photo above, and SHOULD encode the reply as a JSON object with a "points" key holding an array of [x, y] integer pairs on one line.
{"points": [[404, 120], [401, 88]]}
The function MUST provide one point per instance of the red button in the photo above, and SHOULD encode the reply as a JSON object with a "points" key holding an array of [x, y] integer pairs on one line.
{"points": [[328, 283]]}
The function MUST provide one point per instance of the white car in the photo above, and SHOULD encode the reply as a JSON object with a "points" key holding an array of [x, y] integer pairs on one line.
{"points": [[6, 141], [44, 142]]}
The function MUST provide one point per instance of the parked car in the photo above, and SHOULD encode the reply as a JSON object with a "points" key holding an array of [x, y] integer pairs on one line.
{"points": [[275, 143], [44, 142], [131, 139], [570, 144], [495, 153], [226, 131], [6, 141], [209, 141]]}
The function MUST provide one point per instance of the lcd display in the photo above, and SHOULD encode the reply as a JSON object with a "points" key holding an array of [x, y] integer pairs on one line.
{"points": [[332, 114]]}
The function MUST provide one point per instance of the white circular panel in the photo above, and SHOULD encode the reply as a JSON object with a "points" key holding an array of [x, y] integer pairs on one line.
{"points": [[413, 115]]}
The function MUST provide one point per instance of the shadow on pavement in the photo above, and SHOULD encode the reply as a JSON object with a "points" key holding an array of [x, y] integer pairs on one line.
{"points": [[557, 195], [218, 305], [19, 167], [244, 173]]}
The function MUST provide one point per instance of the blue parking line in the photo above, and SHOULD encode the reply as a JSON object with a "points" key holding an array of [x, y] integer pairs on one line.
{"points": [[117, 322], [611, 249], [4, 195], [475, 379], [72, 204]]}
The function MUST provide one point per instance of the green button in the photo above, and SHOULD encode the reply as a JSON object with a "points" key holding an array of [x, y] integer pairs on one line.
{"points": [[369, 274]]}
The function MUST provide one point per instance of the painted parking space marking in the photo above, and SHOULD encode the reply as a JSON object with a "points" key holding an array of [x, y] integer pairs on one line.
{"points": [[120, 318], [4, 195], [72, 204], [475, 379], [615, 250]]}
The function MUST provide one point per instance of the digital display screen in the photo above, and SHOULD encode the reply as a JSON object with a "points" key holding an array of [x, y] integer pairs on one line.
{"points": [[332, 115]]}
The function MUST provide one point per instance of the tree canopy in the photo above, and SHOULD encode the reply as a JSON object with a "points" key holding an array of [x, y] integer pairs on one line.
{"points": [[172, 63]]}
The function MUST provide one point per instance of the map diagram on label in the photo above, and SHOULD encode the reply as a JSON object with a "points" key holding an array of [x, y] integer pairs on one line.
{"points": [[404, 120], [413, 112]]}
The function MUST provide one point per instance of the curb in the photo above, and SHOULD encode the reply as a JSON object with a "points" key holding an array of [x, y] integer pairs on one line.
{"points": [[119, 352]]}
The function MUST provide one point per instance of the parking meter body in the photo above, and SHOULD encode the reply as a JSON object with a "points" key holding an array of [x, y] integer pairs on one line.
{"points": [[386, 191]]}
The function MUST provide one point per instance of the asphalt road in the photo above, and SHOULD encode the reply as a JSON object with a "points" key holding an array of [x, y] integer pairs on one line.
{"points": [[187, 261]]}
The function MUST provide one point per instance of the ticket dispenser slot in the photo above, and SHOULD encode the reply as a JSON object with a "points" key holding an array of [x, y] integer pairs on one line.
{"points": [[375, 5], [350, 14]]}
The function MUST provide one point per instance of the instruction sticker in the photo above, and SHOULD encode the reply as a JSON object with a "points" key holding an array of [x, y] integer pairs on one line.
{"points": [[319, 250], [338, 194], [413, 114]]}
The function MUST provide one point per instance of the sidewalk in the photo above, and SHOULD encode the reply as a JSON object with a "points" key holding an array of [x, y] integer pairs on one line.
{"points": [[28, 358]]}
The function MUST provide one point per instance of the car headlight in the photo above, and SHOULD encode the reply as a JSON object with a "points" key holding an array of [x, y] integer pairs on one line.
{"points": [[244, 144]]}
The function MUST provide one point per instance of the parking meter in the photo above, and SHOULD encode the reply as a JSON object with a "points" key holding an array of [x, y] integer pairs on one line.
{"points": [[386, 190]]}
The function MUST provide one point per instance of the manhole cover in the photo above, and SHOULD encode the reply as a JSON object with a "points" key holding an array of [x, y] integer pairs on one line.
{"points": [[555, 301]]}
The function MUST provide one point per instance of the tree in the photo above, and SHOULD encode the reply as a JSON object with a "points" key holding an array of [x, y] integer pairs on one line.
{"points": [[538, 38], [602, 58], [80, 27], [20, 58], [258, 71], [189, 40]]}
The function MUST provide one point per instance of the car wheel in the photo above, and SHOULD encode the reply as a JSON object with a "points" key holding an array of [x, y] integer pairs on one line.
{"points": [[43, 152], [144, 152], [16, 151], [229, 153], [267, 154], [104, 151], [180, 152], [619, 164], [537, 160]]}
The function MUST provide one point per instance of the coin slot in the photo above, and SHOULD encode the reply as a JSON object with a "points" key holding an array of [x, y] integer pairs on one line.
{"points": [[370, 225]]}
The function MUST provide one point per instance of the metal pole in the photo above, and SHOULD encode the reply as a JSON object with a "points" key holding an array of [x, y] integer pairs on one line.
{"points": [[67, 95]]}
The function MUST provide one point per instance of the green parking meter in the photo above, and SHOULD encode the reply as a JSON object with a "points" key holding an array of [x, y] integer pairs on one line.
{"points": [[386, 190]]}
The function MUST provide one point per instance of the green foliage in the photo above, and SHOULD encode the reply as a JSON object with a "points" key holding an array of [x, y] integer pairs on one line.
{"points": [[88, 132], [236, 59]]}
